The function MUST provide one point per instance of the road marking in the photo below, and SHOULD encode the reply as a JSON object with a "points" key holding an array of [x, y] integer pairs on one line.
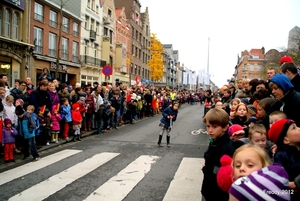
{"points": [[57, 182], [117, 187], [20, 171], [187, 181]]}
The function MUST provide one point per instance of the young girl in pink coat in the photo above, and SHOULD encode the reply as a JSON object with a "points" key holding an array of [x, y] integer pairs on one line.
{"points": [[55, 119]]}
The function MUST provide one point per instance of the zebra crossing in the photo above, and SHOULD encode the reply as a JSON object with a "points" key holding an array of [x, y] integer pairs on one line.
{"points": [[185, 185]]}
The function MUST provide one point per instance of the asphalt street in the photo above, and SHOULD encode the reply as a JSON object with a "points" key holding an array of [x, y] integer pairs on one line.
{"points": [[124, 164]]}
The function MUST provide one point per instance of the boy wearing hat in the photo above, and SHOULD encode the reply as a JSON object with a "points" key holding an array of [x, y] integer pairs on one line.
{"points": [[26, 130], [286, 135]]}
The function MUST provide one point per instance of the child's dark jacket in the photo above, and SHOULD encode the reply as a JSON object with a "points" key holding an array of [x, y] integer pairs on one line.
{"points": [[216, 149], [289, 158], [168, 112]]}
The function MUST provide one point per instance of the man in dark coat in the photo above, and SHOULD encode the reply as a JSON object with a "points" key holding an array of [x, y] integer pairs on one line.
{"points": [[290, 70], [40, 97]]}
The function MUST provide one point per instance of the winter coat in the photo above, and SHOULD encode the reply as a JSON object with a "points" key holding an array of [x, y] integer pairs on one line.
{"points": [[8, 136], [55, 119], [65, 113], [25, 129], [39, 98], [167, 112], [9, 112], [289, 158], [91, 104], [54, 97], [76, 117], [216, 149]]}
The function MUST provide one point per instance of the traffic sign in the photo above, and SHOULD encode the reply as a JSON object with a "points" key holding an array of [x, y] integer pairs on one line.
{"points": [[107, 70]]}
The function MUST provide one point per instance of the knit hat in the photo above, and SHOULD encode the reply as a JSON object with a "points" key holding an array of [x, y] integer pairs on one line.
{"points": [[286, 59], [269, 183], [20, 102], [235, 129], [225, 173], [19, 110], [251, 110], [251, 119], [283, 82], [7, 121], [278, 130]]}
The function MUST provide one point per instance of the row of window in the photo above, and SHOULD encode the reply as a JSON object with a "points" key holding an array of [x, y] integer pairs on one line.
{"points": [[252, 67], [52, 46], [9, 20], [138, 70], [53, 17]]}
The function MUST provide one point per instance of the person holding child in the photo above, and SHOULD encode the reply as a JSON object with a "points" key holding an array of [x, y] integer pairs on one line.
{"points": [[8, 140]]}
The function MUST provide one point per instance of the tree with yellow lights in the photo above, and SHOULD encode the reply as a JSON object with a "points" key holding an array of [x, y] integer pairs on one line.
{"points": [[156, 63]]}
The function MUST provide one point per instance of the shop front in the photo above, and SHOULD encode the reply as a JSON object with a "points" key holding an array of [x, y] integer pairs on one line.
{"points": [[68, 72]]}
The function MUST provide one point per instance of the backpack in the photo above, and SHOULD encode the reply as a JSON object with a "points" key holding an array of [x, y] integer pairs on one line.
{"points": [[35, 123]]}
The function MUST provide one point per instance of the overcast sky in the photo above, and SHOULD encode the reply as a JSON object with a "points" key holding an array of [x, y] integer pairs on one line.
{"points": [[232, 26]]}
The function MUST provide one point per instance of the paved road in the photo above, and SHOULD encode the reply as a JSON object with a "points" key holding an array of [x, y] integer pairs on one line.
{"points": [[124, 164]]}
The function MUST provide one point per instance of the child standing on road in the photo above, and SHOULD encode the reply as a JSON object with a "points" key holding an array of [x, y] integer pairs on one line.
{"points": [[55, 119], [8, 140], [26, 130], [217, 122], [169, 116], [77, 120], [65, 111]]}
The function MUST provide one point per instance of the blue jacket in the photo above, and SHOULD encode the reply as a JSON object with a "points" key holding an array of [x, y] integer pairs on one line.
{"points": [[23, 127], [167, 112], [65, 112]]}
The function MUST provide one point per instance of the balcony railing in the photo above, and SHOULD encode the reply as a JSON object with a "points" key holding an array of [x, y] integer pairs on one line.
{"points": [[65, 55], [75, 58], [65, 29], [38, 49], [92, 60], [53, 24], [92, 35], [38, 17], [75, 33], [52, 52]]}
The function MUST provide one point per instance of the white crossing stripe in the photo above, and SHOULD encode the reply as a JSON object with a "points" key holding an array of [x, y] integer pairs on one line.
{"points": [[120, 185], [20, 171], [187, 181], [57, 182]]}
